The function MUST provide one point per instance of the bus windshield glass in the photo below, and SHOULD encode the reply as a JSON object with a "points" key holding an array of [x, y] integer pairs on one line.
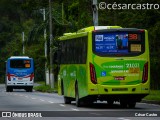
{"points": [[118, 43], [20, 63]]}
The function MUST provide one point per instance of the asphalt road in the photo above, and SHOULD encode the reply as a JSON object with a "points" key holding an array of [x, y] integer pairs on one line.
{"points": [[48, 105]]}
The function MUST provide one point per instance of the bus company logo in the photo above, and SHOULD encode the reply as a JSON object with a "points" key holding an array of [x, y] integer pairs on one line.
{"points": [[110, 38], [99, 38], [6, 114]]}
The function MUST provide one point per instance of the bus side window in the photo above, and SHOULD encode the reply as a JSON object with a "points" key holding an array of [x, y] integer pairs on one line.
{"points": [[63, 53], [59, 57]]}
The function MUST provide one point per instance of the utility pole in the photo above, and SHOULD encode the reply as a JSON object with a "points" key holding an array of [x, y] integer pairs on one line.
{"points": [[51, 50], [62, 13], [45, 48], [23, 51], [95, 13]]}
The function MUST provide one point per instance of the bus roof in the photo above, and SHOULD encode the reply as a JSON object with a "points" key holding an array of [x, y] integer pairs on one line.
{"points": [[83, 32], [92, 28], [12, 57]]}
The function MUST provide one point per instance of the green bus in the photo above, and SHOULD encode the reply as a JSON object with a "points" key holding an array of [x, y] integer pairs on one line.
{"points": [[106, 63]]}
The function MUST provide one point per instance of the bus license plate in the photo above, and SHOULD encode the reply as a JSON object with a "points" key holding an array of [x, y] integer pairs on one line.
{"points": [[20, 78], [134, 70]]}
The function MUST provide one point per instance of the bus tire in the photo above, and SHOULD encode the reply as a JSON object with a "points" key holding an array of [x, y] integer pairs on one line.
{"points": [[27, 89], [110, 102], [78, 101], [31, 90], [123, 103], [67, 100], [62, 88], [132, 105], [7, 89], [11, 89]]}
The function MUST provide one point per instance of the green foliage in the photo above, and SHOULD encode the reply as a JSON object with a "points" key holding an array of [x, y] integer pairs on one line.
{"points": [[24, 16], [154, 95], [45, 88]]}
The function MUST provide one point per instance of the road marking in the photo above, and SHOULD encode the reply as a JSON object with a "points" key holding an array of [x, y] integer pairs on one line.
{"points": [[50, 102], [123, 119], [74, 109], [33, 98], [21, 95], [148, 104], [155, 105], [15, 94], [96, 114], [62, 105], [41, 100], [142, 103], [26, 96]]}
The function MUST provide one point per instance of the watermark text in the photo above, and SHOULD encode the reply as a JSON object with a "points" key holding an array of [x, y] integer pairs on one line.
{"points": [[119, 6]]}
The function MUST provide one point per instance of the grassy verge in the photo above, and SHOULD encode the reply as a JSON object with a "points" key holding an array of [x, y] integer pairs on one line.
{"points": [[154, 95], [45, 88]]}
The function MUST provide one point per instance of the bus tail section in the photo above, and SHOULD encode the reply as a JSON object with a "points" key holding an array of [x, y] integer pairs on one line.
{"points": [[19, 73], [106, 63]]}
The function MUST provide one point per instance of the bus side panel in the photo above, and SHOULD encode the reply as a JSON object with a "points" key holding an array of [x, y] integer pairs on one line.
{"points": [[59, 85], [62, 77], [69, 75], [82, 81], [67, 80]]}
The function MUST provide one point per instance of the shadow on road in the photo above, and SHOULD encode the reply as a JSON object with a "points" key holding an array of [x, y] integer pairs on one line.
{"points": [[106, 106]]}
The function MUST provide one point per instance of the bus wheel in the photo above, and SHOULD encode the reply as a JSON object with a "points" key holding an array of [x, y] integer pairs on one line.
{"points": [[123, 103], [110, 102], [27, 89], [78, 101], [11, 89], [7, 89], [31, 90], [62, 88], [67, 100], [132, 105]]}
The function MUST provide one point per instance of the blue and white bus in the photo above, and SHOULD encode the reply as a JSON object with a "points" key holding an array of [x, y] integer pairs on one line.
{"points": [[19, 73]]}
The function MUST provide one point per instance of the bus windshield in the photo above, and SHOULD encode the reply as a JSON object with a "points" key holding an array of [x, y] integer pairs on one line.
{"points": [[20, 63], [118, 43]]}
